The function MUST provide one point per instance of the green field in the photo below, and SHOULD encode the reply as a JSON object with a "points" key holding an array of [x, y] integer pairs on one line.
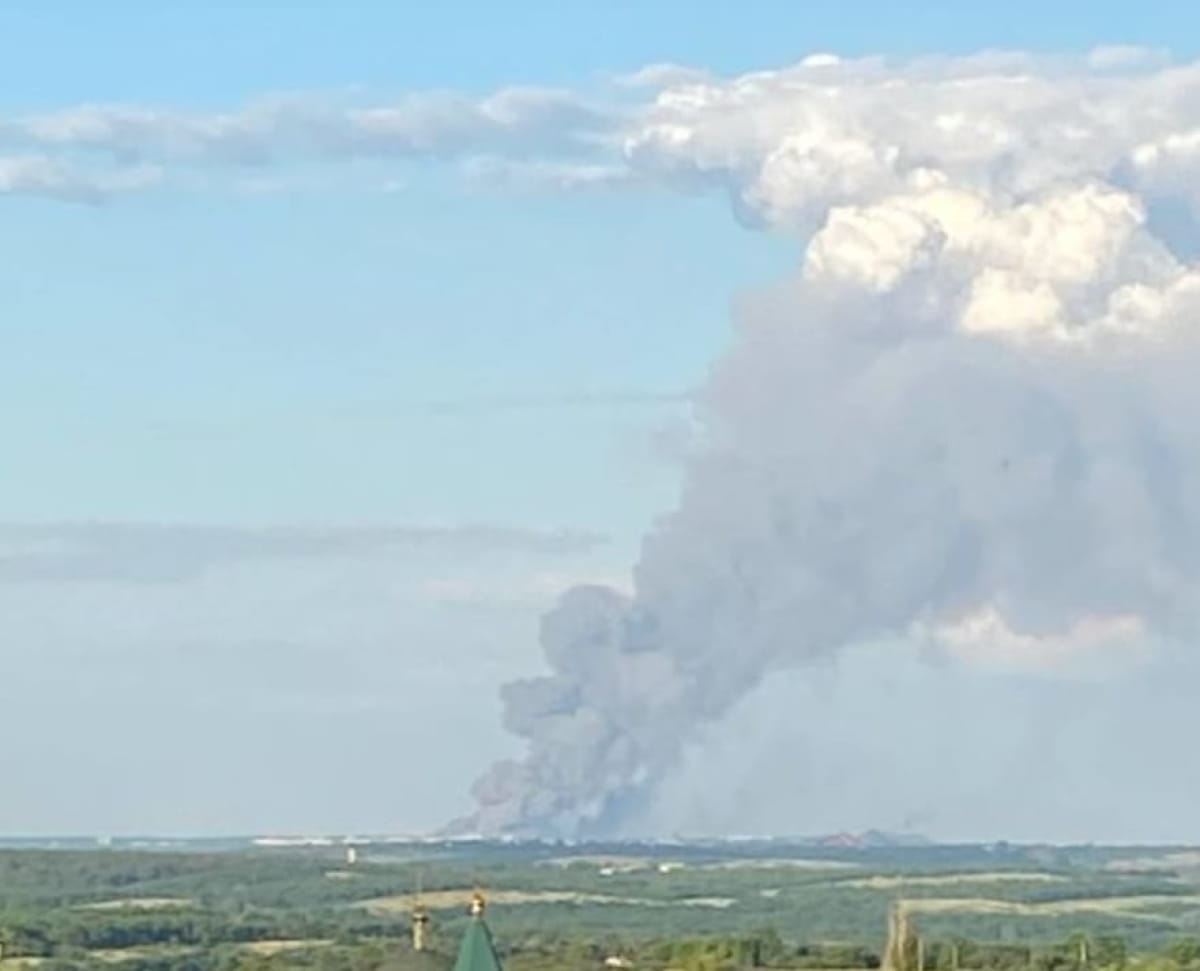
{"points": [[696, 908]]}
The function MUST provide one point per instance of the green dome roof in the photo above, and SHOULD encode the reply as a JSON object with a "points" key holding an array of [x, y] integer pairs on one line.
{"points": [[477, 953]]}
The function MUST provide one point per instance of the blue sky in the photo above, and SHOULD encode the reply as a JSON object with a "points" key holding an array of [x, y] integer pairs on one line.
{"points": [[303, 335], [201, 53], [245, 355]]}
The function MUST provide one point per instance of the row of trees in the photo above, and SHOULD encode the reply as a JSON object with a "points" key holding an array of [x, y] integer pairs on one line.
{"points": [[191, 950], [80, 931], [767, 950]]}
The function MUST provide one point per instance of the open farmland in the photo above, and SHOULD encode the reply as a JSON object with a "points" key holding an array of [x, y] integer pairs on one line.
{"points": [[253, 906]]}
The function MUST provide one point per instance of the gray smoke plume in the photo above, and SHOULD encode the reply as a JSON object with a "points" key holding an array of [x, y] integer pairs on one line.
{"points": [[969, 419]]}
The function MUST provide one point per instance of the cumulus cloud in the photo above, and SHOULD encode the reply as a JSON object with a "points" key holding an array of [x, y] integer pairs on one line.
{"points": [[149, 552], [792, 142], [966, 419]]}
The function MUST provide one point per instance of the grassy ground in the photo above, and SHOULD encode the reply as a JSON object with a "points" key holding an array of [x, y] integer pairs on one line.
{"points": [[951, 879], [140, 903], [1142, 907], [458, 899]]}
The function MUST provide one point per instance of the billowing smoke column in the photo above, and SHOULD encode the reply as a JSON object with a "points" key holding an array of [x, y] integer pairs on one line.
{"points": [[970, 418]]}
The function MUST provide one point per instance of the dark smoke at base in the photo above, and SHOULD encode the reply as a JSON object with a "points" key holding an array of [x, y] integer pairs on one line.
{"points": [[596, 769]]}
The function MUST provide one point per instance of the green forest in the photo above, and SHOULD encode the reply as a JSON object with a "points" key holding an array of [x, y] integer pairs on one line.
{"points": [[660, 908]]}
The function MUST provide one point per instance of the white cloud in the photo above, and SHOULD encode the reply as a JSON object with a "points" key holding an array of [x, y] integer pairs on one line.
{"points": [[1125, 57], [41, 175], [511, 121], [1064, 263], [984, 638], [794, 142], [492, 172], [663, 75], [787, 143]]}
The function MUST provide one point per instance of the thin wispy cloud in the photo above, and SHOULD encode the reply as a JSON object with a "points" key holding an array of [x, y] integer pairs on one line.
{"points": [[501, 404], [156, 553], [510, 123], [51, 178]]}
